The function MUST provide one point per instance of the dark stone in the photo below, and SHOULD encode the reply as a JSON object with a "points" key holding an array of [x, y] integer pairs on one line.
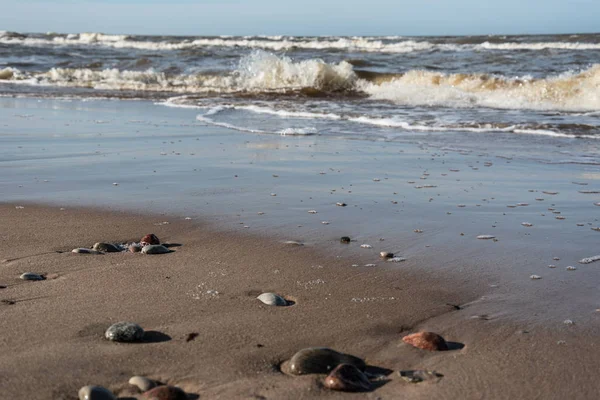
{"points": [[345, 239], [347, 378], [124, 332], [321, 360], [165, 393]]}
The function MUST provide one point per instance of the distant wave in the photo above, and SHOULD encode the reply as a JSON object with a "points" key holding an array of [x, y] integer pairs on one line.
{"points": [[262, 72], [278, 43]]}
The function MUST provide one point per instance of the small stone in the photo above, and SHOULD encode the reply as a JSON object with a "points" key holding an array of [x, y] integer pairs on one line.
{"points": [[571, 268], [345, 239], [568, 322], [165, 393], [486, 237], [293, 243], [142, 383], [397, 259], [589, 260], [426, 341], [95, 393], [30, 276], [107, 247], [135, 248], [150, 238], [385, 254], [312, 211], [339, 204], [272, 299], [155, 249], [83, 250], [417, 376], [535, 277], [321, 360], [527, 224], [347, 378], [366, 246], [124, 332]]}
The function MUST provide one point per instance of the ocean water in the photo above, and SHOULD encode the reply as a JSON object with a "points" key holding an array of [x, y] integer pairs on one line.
{"points": [[355, 87]]}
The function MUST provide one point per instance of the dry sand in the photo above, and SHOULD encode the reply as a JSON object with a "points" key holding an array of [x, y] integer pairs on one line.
{"points": [[52, 331]]}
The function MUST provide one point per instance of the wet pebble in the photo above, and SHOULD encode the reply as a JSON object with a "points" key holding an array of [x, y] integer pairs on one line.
{"points": [[385, 254], [312, 211], [397, 259], [535, 277], [165, 393], [135, 248], [345, 239], [427, 341], [272, 299], [124, 332], [155, 249], [486, 237], [142, 383], [321, 360], [571, 268], [95, 393], [340, 204], [366, 246], [347, 378], [30, 276], [83, 250], [106, 247], [589, 260], [528, 224]]}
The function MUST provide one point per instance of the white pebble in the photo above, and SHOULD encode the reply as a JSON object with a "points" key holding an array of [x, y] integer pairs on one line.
{"points": [[312, 211], [535, 277], [485, 237], [571, 268], [366, 246]]}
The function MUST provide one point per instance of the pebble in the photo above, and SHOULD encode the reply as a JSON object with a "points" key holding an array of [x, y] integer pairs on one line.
{"points": [[83, 250], [535, 277], [397, 259], [571, 268], [135, 248], [347, 378], [550, 193], [30, 276], [589, 260], [560, 217], [312, 211], [416, 376], [272, 299], [155, 249], [385, 254], [345, 239], [107, 247], [340, 204], [551, 266], [568, 322], [485, 237], [150, 238], [124, 332], [293, 243], [597, 229], [522, 204], [426, 341], [366, 246], [95, 393], [321, 360], [528, 224], [142, 383], [165, 393], [597, 204]]}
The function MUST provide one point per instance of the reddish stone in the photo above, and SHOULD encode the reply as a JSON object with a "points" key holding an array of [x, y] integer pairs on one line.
{"points": [[149, 239], [165, 393], [426, 341], [347, 378]]}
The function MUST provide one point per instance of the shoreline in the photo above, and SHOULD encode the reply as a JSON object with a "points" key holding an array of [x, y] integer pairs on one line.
{"points": [[174, 294]]}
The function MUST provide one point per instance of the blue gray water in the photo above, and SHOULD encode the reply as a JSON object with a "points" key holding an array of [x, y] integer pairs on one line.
{"points": [[343, 86]]}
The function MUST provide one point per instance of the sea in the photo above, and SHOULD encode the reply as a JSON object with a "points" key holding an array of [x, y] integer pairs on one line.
{"points": [[359, 87]]}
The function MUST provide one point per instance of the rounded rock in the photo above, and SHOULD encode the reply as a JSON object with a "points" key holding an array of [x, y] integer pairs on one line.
{"points": [[426, 341], [272, 299], [124, 332], [107, 247], [135, 248], [321, 360], [30, 276], [95, 393], [165, 393], [150, 238], [155, 249], [385, 254], [142, 383], [347, 378], [345, 239]]}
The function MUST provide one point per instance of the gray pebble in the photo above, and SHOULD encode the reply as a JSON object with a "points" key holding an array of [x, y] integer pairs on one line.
{"points": [[142, 383], [30, 276], [272, 299], [155, 249], [83, 250], [124, 332], [107, 247], [95, 393]]}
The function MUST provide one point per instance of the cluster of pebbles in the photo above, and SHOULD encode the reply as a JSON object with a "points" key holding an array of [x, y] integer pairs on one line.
{"points": [[348, 373], [149, 244]]}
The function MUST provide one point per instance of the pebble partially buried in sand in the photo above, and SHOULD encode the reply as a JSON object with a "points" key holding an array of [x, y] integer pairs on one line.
{"points": [[30, 276], [321, 360], [107, 247], [165, 393], [347, 378], [272, 299], [426, 341], [155, 249], [95, 393]]}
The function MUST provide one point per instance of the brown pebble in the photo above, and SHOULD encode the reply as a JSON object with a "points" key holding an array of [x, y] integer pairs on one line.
{"points": [[165, 393], [135, 248], [191, 336], [347, 378], [150, 239], [426, 341]]}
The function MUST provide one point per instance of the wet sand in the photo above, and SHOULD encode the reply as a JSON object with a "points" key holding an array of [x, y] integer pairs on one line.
{"points": [[120, 171]]}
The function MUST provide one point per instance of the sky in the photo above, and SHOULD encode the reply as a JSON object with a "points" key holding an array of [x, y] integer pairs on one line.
{"points": [[302, 17]]}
